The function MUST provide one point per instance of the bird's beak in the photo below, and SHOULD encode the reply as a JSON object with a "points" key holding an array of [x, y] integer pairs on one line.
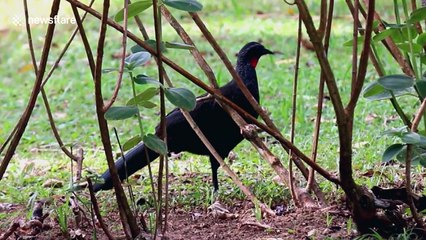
{"points": [[266, 51]]}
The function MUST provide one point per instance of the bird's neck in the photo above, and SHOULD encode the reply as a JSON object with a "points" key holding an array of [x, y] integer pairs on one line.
{"points": [[247, 74]]}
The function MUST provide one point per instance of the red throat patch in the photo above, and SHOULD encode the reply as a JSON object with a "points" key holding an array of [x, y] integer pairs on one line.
{"points": [[253, 62]]}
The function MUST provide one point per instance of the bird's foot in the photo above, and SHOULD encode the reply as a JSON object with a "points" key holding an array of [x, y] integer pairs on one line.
{"points": [[217, 210]]}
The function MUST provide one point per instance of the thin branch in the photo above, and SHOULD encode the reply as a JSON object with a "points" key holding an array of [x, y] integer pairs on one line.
{"points": [[408, 159], [363, 61], [123, 56], [245, 91], [43, 92], [84, 39], [225, 167], [96, 209], [127, 219], [393, 49], [215, 94], [293, 108], [210, 75], [320, 102], [195, 53], [163, 131], [3, 146], [410, 201], [64, 50], [23, 121], [232, 71], [355, 46], [417, 25], [322, 58], [323, 19]]}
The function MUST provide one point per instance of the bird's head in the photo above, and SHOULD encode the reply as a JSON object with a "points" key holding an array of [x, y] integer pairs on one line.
{"points": [[251, 52]]}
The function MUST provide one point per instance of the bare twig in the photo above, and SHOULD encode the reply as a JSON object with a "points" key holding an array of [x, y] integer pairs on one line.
{"points": [[127, 219], [225, 167], [84, 39], [344, 131], [393, 49], [97, 211], [215, 94], [356, 25], [293, 108], [210, 75], [195, 53], [323, 18], [123, 56], [363, 61], [320, 102], [23, 121], [408, 159], [12, 228], [64, 50], [163, 132], [244, 89], [257, 224]]}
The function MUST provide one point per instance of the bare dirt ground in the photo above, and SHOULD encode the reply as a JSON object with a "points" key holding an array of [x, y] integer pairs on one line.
{"points": [[240, 223]]}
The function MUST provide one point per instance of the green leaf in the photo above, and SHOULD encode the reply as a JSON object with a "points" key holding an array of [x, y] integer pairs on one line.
{"points": [[184, 5], [414, 138], [150, 42], [155, 144], [375, 91], [375, 24], [129, 144], [110, 70], [394, 25], [350, 43], [406, 47], [181, 97], [143, 96], [178, 45], [133, 9], [416, 151], [137, 59], [121, 112], [412, 31], [421, 87], [417, 15], [421, 158], [144, 79], [147, 104], [397, 132], [384, 34], [396, 82], [392, 151], [421, 39]]}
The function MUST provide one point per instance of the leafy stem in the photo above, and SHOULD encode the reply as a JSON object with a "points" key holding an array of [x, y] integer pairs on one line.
{"points": [[134, 96]]}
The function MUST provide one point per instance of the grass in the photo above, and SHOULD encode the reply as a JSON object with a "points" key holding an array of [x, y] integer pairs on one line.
{"points": [[71, 96]]}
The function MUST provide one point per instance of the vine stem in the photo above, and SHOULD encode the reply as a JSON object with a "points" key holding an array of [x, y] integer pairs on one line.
{"points": [[23, 121]]}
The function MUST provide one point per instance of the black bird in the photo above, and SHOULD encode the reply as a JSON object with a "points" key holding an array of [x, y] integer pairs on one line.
{"points": [[219, 128]]}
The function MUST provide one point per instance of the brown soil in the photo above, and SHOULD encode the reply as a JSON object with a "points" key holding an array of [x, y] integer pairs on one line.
{"points": [[194, 224]]}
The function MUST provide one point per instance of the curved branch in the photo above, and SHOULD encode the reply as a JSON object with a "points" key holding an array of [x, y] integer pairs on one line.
{"points": [[215, 94], [123, 56], [23, 121]]}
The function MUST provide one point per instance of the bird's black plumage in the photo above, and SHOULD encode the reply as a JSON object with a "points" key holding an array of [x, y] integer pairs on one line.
{"points": [[219, 128]]}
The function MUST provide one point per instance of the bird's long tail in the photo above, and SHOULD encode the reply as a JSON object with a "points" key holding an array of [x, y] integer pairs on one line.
{"points": [[135, 160]]}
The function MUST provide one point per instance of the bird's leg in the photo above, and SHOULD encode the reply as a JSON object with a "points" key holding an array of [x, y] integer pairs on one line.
{"points": [[215, 165]]}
